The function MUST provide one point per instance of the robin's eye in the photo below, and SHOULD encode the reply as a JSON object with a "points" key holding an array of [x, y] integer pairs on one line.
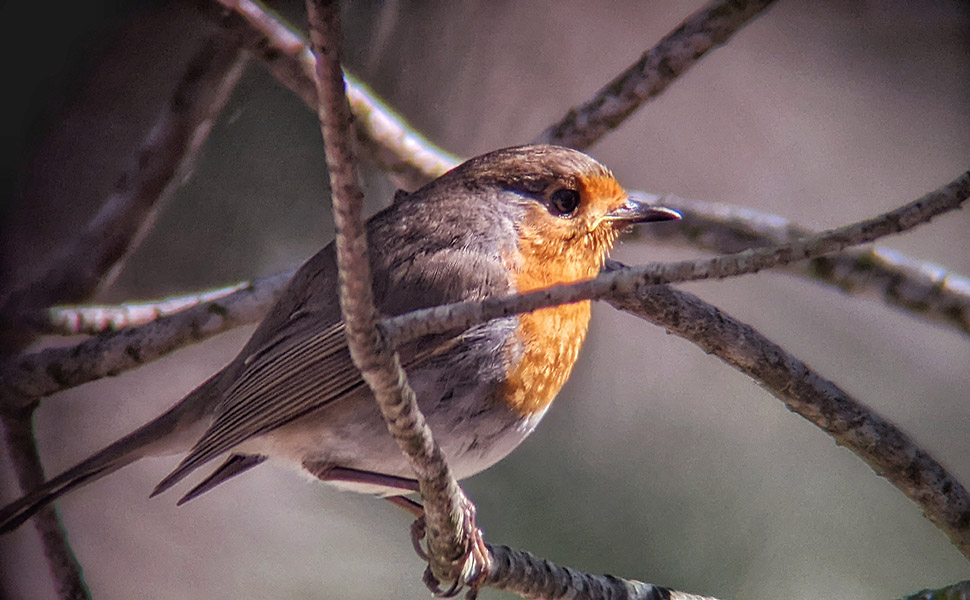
{"points": [[564, 202]]}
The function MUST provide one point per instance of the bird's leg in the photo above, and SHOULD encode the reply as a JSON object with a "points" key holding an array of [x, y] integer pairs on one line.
{"points": [[332, 474], [476, 562]]}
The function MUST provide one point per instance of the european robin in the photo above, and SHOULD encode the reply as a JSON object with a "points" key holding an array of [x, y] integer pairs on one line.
{"points": [[513, 220]]}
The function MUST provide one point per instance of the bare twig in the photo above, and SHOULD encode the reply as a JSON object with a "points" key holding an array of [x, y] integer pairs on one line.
{"points": [[917, 288], [42, 373], [159, 167], [22, 448], [706, 29], [451, 535], [463, 315], [876, 440], [396, 146]]}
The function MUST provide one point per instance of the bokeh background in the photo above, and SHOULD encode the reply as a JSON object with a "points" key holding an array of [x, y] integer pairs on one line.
{"points": [[657, 461]]}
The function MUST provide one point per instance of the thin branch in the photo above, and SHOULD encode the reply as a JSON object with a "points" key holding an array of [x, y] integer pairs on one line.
{"points": [[396, 146], [917, 288], [463, 315], [680, 49], [876, 440], [532, 577], [99, 318], [22, 448], [42, 373], [452, 537], [159, 167]]}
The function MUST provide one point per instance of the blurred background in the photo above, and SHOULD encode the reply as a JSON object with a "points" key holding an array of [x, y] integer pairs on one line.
{"points": [[657, 462]]}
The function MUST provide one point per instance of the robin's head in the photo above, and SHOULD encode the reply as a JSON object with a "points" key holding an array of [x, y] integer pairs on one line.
{"points": [[569, 209]]}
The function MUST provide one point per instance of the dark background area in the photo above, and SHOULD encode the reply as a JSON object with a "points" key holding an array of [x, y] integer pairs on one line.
{"points": [[657, 461]]}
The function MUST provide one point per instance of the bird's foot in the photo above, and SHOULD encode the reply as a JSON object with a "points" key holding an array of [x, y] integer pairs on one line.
{"points": [[476, 562]]}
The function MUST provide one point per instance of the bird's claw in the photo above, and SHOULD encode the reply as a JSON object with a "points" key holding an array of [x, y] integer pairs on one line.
{"points": [[476, 562]]}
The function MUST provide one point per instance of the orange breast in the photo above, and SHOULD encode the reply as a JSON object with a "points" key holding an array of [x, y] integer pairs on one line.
{"points": [[551, 337]]}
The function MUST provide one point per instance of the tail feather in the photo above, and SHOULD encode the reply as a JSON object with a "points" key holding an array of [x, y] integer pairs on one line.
{"points": [[234, 465], [161, 435]]}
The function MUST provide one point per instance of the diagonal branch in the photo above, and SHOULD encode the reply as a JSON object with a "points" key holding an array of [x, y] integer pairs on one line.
{"points": [[647, 78], [921, 289], [884, 447], [452, 536], [22, 448]]}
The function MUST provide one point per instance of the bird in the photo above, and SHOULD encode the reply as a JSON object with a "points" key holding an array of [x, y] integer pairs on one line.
{"points": [[509, 221]]}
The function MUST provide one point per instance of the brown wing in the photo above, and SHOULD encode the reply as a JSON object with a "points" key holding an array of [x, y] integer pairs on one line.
{"points": [[299, 373]]}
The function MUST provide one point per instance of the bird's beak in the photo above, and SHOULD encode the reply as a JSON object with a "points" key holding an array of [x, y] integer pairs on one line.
{"points": [[636, 211]]}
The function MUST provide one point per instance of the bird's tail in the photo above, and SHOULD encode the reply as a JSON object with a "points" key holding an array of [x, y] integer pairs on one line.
{"points": [[165, 434]]}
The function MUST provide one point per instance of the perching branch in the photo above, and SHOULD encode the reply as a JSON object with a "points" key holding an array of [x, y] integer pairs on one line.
{"points": [[522, 573], [647, 78], [452, 535]]}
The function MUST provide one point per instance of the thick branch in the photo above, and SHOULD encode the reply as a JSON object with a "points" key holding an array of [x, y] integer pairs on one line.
{"points": [[876, 440], [379, 364], [706, 29]]}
